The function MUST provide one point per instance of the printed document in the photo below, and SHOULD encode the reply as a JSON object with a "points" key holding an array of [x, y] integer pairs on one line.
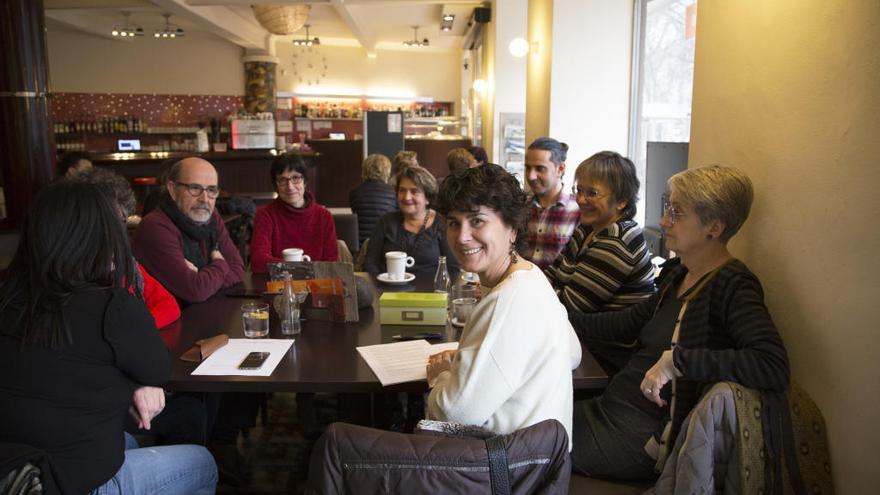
{"points": [[225, 360], [401, 362]]}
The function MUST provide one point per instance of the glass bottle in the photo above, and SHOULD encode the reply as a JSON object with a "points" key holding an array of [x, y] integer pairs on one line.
{"points": [[441, 279], [289, 308]]}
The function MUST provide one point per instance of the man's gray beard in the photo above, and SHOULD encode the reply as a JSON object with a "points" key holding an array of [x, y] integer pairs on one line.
{"points": [[201, 222]]}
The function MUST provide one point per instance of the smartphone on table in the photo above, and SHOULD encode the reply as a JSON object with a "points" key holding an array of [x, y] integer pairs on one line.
{"points": [[254, 361]]}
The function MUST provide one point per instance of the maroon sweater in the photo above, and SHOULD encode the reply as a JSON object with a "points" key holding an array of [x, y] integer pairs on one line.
{"points": [[158, 246], [278, 226]]}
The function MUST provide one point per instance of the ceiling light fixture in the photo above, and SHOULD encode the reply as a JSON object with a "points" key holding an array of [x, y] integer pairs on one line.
{"points": [[415, 41], [446, 22], [170, 30], [306, 41], [129, 30]]}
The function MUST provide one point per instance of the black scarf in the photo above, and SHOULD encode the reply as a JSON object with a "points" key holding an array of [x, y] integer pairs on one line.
{"points": [[192, 233]]}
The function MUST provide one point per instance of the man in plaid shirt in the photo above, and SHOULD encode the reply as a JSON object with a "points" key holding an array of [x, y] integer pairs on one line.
{"points": [[553, 212]]}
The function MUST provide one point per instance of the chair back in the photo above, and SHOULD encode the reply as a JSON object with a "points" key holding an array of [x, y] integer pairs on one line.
{"points": [[347, 229]]}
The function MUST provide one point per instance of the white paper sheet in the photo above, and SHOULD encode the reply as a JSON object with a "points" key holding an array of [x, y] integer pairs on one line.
{"points": [[225, 360], [401, 362]]}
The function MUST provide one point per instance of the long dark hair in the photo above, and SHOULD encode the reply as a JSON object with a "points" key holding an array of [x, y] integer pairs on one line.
{"points": [[73, 239]]}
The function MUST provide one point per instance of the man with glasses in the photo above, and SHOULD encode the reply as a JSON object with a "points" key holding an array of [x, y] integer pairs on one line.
{"points": [[293, 220], [184, 242], [553, 212]]}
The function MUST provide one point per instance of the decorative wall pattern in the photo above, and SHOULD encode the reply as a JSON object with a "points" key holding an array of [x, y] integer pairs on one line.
{"points": [[259, 86], [155, 110]]}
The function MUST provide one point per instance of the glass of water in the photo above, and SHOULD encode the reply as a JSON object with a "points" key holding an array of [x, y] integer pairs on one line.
{"points": [[255, 317]]}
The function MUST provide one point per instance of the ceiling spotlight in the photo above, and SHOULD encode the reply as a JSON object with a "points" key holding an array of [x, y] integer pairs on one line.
{"points": [[446, 22], [170, 30], [306, 41], [129, 29], [415, 41]]}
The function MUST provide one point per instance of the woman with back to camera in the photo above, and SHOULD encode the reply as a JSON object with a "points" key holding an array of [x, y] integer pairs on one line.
{"points": [[706, 324], [516, 352], [78, 351], [373, 197], [415, 228]]}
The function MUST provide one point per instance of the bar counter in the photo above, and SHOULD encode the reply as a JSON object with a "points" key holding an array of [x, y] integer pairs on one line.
{"points": [[241, 171]]}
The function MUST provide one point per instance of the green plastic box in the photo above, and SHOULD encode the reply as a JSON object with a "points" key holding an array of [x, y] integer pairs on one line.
{"points": [[413, 308]]}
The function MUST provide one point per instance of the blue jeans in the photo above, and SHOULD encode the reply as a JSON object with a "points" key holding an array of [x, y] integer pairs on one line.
{"points": [[173, 469]]}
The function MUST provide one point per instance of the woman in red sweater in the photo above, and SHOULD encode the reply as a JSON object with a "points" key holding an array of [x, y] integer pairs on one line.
{"points": [[293, 220]]}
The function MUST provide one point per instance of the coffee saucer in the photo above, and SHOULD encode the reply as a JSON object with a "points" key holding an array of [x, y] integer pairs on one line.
{"points": [[386, 279]]}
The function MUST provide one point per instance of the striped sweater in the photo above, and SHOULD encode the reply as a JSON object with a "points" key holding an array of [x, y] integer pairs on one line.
{"points": [[611, 272], [726, 335]]}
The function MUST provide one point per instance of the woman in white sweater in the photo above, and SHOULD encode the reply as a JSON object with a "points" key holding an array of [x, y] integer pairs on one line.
{"points": [[514, 361]]}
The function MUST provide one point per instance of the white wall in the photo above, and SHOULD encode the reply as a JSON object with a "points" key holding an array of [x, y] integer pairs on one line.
{"points": [[590, 77], [789, 91], [197, 64], [413, 73], [511, 21]]}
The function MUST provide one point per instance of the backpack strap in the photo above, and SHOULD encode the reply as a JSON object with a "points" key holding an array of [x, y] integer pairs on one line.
{"points": [[499, 475]]}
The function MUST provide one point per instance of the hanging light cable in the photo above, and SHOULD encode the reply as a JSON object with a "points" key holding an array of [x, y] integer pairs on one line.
{"points": [[170, 30], [128, 30], [306, 41], [415, 41]]}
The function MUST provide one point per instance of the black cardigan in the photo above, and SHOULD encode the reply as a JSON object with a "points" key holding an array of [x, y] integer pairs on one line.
{"points": [[70, 402], [370, 201], [726, 334]]}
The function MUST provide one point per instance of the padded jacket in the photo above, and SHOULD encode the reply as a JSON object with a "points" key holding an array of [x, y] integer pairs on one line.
{"points": [[370, 201], [356, 459]]}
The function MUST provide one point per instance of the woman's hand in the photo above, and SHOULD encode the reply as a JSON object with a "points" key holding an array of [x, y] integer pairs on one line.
{"points": [[657, 377], [438, 363], [147, 403]]}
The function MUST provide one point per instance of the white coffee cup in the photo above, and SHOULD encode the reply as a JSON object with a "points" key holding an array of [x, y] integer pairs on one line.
{"points": [[295, 254], [396, 262]]}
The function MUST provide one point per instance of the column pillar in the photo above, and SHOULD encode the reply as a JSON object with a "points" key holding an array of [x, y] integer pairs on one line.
{"points": [[27, 144], [259, 85]]}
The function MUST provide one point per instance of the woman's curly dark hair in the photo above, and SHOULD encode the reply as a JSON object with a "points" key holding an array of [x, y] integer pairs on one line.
{"points": [[488, 185]]}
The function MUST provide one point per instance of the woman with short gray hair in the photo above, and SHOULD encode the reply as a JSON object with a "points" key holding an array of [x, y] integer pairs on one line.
{"points": [[606, 265], [706, 324]]}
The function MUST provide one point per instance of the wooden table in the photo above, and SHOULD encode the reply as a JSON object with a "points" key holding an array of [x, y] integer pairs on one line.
{"points": [[323, 357]]}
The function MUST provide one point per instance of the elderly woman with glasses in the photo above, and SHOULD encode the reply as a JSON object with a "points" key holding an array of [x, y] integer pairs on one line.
{"points": [[293, 220], [606, 264], [706, 324]]}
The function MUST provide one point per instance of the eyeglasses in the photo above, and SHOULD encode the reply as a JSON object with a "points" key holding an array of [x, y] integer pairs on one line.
{"points": [[590, 194], [196, 190], [671, 212], [282, 181]]}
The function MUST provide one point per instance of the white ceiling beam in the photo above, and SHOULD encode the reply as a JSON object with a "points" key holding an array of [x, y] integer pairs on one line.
{"points": [[84, 21], [361, 31], [222, 21]]}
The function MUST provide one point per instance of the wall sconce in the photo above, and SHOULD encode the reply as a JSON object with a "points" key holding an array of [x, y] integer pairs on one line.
{"points": [[479, 86], [519, 47]]}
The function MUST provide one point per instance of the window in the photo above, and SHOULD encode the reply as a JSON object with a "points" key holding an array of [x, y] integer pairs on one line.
{"points": [[663, 76]]}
